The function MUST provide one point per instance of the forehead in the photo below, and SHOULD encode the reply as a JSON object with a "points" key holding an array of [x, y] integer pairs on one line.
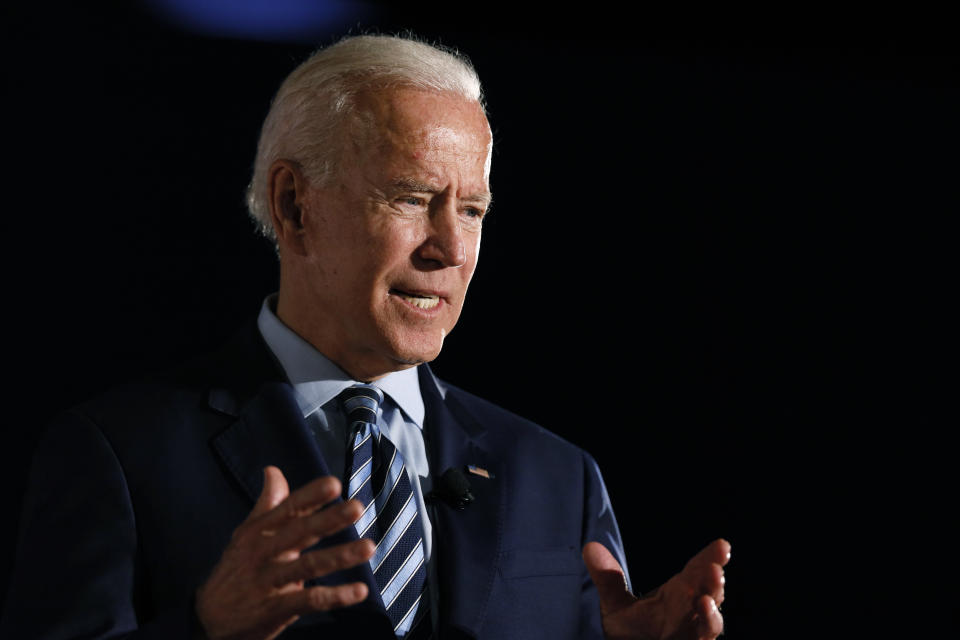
{"points": [[423, 123]]}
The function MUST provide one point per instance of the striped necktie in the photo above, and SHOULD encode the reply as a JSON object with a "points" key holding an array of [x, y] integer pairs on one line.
{"points": [[378, 478]]}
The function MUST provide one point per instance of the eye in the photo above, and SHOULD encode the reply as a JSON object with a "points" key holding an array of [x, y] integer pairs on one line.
{"points": [[412, 201], [474, 212]]}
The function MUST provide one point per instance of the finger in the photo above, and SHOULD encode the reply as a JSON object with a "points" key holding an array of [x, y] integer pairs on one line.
{"points": [[720, 580], [705, 570], [275, 490], [709, 580], [303, 501], [322, 562], [709, 621], [312, 496], [607, 575], [300, 533], [320, 598], [717, 552]]}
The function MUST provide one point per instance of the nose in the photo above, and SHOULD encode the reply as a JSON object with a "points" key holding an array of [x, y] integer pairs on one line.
{"points": [[444, 245]]}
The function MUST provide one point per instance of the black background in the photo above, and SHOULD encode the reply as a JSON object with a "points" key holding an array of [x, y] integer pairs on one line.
{"points": [[742, 223]]}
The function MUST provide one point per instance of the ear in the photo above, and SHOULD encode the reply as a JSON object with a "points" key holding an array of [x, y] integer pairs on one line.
{"points": [[286, 190]]}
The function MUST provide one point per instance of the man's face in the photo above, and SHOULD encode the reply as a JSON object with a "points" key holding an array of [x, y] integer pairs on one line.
{"points": [[392, 244]]}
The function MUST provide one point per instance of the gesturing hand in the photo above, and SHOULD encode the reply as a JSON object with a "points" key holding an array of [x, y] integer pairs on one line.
{"points": [[685, 607], [257, 588]]}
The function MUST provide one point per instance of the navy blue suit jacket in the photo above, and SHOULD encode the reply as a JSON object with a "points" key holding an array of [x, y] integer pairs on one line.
{"points": [[133, 497]]}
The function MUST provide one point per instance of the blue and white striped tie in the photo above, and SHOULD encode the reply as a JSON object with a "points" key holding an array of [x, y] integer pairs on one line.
{"points": [[378, 478]]}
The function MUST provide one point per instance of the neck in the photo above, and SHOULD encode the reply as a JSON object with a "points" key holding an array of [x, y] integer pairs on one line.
{"points": [[363, 366]]}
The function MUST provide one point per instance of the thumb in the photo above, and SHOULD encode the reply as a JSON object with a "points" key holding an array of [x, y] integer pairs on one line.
{"points": [[607, 574], [275, 490]]}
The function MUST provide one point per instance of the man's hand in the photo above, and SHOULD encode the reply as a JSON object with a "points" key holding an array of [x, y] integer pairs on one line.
{"points": [[685, 607], [257, 588]]}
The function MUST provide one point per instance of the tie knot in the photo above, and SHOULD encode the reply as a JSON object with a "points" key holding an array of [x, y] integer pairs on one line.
{"points": [[361, 402]]}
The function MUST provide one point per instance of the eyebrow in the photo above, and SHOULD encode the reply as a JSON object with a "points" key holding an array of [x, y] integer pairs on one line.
{"points": [[412, 184]]}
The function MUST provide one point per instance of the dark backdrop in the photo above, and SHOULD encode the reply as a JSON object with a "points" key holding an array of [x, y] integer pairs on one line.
{"points": [[743, 225]]}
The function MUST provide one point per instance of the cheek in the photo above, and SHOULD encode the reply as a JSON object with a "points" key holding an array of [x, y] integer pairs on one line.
{"points": [[476, 249], [395, 244], [473, 254]]}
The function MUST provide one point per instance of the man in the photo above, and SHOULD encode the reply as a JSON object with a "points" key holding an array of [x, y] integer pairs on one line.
{"points": [[314, 479]]}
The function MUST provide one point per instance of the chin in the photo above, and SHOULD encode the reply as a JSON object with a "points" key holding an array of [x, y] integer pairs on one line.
{"points": [[414, 358], [414, 350]]}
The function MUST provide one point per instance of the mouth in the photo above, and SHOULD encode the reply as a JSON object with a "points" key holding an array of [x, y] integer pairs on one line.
{"points": [[425, 301]]}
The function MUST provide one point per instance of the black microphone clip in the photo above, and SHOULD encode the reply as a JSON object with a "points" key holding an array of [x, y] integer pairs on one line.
{"points": [[453, 488]]}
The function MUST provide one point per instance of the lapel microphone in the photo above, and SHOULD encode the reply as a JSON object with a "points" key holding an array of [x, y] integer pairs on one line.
{"points": [[452, 488]]}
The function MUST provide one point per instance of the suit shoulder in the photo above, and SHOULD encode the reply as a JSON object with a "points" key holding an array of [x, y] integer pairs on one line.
{"points": [[241, 366], [503, 423], [182, 385], [164, 405]]}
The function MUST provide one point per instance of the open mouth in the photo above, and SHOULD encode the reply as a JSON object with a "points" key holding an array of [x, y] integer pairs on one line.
{"points": [[419, 300]]}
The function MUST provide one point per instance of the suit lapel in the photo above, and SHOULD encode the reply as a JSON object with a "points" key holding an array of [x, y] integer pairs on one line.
{"points": [[270, 430], [467, 541]]}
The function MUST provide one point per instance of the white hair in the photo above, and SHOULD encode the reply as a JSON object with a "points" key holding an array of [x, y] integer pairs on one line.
{"points": [[309, 114]]}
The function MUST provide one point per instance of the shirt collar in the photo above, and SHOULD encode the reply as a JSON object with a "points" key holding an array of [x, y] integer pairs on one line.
{"points": [[318, 380]]}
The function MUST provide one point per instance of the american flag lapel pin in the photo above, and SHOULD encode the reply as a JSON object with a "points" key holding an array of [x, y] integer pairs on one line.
{"points": [[479, 471]]}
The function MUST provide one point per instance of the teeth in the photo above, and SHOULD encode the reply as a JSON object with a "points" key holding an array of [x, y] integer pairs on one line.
{"points": [[423, 302]]}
